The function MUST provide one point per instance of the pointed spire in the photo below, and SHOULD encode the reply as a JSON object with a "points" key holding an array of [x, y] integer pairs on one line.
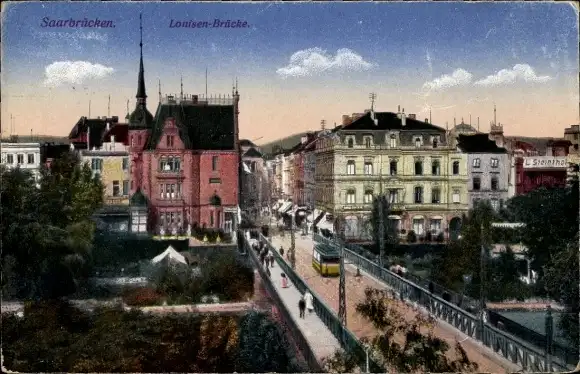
{"points": [[181, 87], [159, 89], [141, 95], [109, 108], [430, 121], [127, 109], [494, 115], [236, 86]]}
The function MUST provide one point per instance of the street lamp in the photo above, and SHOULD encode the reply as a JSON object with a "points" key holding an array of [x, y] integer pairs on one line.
{"points": [[342, 282]]}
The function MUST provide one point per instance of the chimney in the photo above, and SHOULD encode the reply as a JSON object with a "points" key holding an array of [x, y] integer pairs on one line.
{"points": [[426, 120], [399, 112], [108, 125], [115, 119], [403, 118], [412, 116]]}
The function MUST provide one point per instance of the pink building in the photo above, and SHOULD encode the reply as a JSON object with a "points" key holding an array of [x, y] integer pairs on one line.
{"points": [[185, 160]]}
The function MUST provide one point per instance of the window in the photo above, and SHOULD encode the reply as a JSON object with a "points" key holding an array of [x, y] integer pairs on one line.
{"points": [[116, 188], [214, 163], [435, 142], [162, 190], [419, 226], [211, 219], [455, 167], [125, 163], [495, 204], [418, 142], [393, 168], [368, 141], [393, 196], [455, 197], [350, 167], [139, 140], [476, 162], [435, 196], [494, 184], [125, 188], [418, 195], [418, 168], [30, 158], [393, 141], [9, 159], [172, 196], [368, 197], [350, 142], [169, 141], [96, 164], [476, 183], [368, 168], [435, 226], [435, 167], [494, 162], [215, 180], [350, 196], [178, 191], [169, 164], [20, 159]]}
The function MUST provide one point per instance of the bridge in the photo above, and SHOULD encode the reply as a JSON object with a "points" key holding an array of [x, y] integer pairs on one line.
{"points": [[492, 349]]}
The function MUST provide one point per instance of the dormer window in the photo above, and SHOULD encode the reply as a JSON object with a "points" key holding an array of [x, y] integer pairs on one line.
{"points": [[393, 141], [418, 142], [435, 142], [368, 141], [350, 142]]}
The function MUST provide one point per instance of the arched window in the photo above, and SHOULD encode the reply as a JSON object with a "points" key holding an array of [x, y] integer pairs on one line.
{"points": [[494, 183], [435, 167], [455, 167], [350, 167], [393, 167], [418, 195], [418, 168]]}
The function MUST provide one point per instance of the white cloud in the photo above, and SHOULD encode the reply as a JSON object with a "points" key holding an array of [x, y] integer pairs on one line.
{"points": [[520, 72], [429, 64], [314, 61], [74, 72], [459, 77]]}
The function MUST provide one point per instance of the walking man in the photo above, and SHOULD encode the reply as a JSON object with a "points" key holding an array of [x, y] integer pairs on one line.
{"points": [[271, 258], [281, 251], [309, 301], [302, 306]]}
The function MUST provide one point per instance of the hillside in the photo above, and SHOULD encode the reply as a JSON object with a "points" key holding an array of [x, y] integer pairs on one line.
{"points": [[285, 143]]}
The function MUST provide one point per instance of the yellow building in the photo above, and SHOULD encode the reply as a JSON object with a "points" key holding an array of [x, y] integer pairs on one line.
{"points": [[408, 160], [111, 163]]}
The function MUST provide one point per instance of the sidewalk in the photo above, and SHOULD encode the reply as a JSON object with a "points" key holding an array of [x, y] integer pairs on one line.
{"points": [[319, 337], [327, 288]]}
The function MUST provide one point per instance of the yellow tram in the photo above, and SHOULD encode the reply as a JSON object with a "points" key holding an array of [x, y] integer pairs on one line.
{"points": [[325, 260]]}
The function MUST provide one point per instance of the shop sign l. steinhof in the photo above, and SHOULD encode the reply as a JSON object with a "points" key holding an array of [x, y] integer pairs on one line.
{"points": [[545, 162]]}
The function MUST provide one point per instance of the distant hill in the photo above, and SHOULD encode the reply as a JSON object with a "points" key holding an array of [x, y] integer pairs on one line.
{"points": [[36, 139], [285, 143]]}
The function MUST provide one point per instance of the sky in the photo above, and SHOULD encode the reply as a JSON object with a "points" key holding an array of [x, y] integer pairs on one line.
{"points": [[296, 63]]}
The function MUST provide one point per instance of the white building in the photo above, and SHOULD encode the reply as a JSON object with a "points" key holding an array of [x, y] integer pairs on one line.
{"points": [[22, 155]]}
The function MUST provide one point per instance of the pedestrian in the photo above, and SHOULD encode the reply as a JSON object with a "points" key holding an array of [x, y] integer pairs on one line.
{"points": [[309, 300], [268, 272], [281, 251], [262, 258], [301, 307], [284, 281], [431, 287], [271, 258]]}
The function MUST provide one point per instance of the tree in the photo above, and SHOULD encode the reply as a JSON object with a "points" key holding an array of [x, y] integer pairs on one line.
{"points": [[402, 345], [380, 217], [47, 231], [561, 282], [551, 218]]}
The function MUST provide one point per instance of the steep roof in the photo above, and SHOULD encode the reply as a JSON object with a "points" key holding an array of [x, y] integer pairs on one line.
{"points": [[388, 121], [138, 199], [201, 126], [252, 152], [464, 127], [97, 126], [120, 131], [478, 143], [246, 143]]}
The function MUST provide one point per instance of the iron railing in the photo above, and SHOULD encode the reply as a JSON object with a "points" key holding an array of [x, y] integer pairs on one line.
{"points": [[347, 339], [521, 353]]}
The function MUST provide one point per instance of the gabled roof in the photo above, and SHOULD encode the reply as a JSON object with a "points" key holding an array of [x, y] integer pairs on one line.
{"points": [[141, 118], [478, 143], [252, 152], [389, 121], [201, 126]]}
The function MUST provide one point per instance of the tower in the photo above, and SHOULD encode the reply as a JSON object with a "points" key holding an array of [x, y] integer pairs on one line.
{"points": [[496, 130], [141, 118]]}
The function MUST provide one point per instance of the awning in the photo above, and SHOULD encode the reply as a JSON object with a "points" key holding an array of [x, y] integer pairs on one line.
{"points": [[418, 218], [436, 217], [285, 207], [324, 224], [393, 216]]}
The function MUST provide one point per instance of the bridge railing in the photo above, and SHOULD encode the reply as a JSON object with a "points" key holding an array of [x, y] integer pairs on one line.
{"points": [[347, 339], [299, 339], [515, 350]]}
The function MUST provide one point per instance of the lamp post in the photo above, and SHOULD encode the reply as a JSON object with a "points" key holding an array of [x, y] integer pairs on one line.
{"points": [[292, 251], [482, 287], [342, 281], [466, 280]]}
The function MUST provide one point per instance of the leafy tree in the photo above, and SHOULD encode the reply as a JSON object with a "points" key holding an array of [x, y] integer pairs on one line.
{"points": [[390, 236], [402, 345], [561, 282], [228, 278]]}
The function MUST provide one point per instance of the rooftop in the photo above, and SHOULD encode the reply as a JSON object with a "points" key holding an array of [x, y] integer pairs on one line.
{"points": [[478, 143], [389, 121]]}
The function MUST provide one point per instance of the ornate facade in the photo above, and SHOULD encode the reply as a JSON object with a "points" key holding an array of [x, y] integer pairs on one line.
{"points": [[408, 160]]}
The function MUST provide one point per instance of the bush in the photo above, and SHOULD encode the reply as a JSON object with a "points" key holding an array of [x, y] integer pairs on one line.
{"points": [[143, 296], [411, 237]]}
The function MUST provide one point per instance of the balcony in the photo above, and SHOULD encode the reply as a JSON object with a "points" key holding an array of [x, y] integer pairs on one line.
{"points": [[116, 200], [162, 174]]}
